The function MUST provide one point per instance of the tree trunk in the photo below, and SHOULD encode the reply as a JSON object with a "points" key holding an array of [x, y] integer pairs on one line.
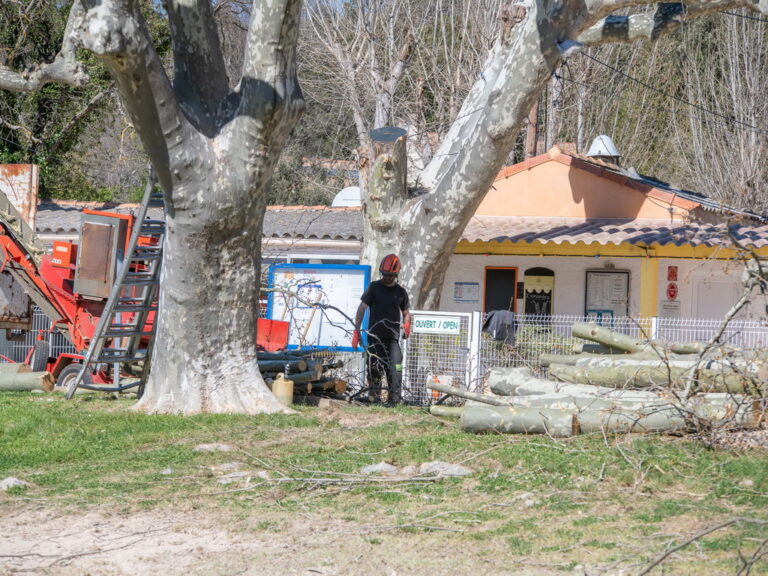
{"points": [[204, 359]]}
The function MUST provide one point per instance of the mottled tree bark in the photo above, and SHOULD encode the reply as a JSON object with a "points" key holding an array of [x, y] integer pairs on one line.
{"points": [[214, 150]]}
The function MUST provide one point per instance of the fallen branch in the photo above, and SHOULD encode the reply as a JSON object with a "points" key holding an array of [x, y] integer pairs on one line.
{"points": [[697, 536]]}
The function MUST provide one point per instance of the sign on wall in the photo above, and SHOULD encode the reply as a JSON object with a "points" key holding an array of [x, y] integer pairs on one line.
{"points": [[319, 301], [466, 292], [608, 290]]}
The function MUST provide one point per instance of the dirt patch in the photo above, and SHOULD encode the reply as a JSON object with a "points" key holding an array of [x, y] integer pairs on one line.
{"points": [[346, 418], [172, 542]]}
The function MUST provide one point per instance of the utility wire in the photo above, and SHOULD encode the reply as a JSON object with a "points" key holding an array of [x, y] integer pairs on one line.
{"points": [[676, 112], [728, 119], [745, 16]]}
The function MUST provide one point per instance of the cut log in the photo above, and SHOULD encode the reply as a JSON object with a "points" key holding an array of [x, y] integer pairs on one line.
{"points": [[27, 381], [651, 419], [685, 347], [298, 365], [14, 368], [477, 418], [453, 391], [453, 412], [606, 337], [506, 381], [585, 348], [309, 376], [287, 356], [335, 385], [570, 359], [333, 365], [651, 376], [520, 382]]}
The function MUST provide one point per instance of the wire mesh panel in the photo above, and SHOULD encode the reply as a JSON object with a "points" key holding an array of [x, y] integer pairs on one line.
{"points": [[431, 356], [17, 345], [541, 334], [751, 334]]}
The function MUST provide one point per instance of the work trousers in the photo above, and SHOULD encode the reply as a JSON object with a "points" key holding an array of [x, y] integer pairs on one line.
{"points": [[385, 358]]}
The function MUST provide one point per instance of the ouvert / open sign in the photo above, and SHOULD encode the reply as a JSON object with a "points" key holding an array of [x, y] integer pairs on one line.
{"points": [[433, 324]]}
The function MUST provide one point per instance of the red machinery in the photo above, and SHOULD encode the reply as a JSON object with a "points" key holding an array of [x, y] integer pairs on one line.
{"points": [[71, 285]]}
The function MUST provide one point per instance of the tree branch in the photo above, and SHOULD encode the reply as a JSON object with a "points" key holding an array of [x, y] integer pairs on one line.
{"points": [[668, 18], [89, 107], [65, 68], [200, 78], [115, 31], [270, 57]]}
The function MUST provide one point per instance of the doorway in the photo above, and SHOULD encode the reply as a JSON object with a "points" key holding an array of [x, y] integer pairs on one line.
{"points": [[500, 289], [539, 290]]}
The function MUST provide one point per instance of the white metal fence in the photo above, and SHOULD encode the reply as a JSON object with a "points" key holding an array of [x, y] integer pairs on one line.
{"points": [[16, 346], [464, 359]]}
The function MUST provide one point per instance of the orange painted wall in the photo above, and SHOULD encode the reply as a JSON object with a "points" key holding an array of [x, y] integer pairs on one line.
{"points": [[553, 189]]}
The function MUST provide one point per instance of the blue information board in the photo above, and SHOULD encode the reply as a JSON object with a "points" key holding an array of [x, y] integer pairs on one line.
{"points": [[318, 300]]}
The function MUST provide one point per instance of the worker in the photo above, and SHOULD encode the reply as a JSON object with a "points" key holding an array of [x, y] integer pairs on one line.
{"points": [[387, 301]]}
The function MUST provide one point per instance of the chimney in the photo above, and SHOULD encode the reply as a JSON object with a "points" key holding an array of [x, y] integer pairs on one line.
{"points": [[604, 149]]}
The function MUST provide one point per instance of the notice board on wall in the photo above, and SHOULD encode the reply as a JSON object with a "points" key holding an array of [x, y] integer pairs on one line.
{"points": [[318, 300], [607, 291]]}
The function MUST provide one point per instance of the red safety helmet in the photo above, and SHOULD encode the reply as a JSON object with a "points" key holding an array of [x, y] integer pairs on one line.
{"points": [[390, 264]]}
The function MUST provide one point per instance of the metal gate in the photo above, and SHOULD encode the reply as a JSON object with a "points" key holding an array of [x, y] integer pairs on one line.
{"points": [[440, 348]]}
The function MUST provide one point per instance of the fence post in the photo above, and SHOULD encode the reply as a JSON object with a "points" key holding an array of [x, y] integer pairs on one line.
{"points": [[654, 327], [475, 327]]}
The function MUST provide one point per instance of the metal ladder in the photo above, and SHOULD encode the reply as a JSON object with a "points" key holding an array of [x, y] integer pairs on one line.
{"points": [[122, 326]]}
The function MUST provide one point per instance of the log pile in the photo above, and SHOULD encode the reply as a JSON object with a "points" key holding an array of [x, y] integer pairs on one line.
{"points": [[310, 372], [621, 384]]}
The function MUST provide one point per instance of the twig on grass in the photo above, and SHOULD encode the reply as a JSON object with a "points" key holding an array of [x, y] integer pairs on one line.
{"points": [[757, 555], [697, 536]]}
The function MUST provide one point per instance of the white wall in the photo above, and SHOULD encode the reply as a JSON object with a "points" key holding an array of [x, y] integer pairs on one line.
{"points": [[570, 278], [706, 289]]}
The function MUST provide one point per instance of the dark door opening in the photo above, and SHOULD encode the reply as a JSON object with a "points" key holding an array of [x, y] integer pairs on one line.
{"points": [[539, 290], [500, 289]]}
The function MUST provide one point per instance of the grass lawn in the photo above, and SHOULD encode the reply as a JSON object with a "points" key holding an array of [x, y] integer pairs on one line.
{"points": [[591, 504]]}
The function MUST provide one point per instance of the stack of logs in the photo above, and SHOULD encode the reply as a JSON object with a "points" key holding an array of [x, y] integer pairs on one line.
{"points": [[621, 384], [307, 369]]}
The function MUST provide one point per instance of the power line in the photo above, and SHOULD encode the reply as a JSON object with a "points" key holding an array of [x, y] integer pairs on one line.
{"points": [[728, 119], [745, 16], [676, 112]]}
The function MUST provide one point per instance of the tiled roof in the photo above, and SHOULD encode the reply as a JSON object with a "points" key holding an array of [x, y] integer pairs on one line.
{"points": [[313, 222], [610, 231], [304, 222], [324, 223]]}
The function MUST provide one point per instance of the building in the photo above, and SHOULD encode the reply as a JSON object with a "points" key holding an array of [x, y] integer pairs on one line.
{"points": [[567, 234]]}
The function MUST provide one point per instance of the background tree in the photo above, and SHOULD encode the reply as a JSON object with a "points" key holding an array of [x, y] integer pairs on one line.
{"points": [[728, 59], [423, 224]]}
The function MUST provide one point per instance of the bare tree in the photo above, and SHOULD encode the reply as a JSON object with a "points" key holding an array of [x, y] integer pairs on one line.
{"points": [[726, 146]]}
